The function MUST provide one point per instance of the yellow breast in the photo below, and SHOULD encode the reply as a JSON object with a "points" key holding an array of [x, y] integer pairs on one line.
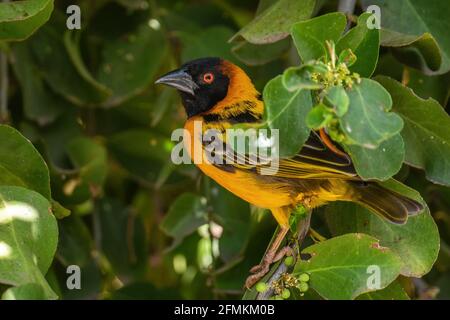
{"points": [[244, 184]]}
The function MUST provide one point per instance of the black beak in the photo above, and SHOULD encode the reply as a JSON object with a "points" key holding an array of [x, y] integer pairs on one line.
{"points": [[180, 80]]}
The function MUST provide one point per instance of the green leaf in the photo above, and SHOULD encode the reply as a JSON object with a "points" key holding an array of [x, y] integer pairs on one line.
{"points": [[72, 43], [39, 103], [75, 242], [286, 111], [89, 160], [56, 67], [274, 23], [348, 57], [233, 214], [130, 63], [18, 20], [186, 214], [338, 267], [425, 86], [416, 242], [394, 291], [24, 167], [29, 291], [123, 239], [380, 163], [29, 235], [255, 55], [319, 117], [299, 78], [136, 149], [211, 42], [76, 247], [367, 122], [413, 23], [364, 43], [426, 132], [421, 52], [310, 36], [338, 98]]}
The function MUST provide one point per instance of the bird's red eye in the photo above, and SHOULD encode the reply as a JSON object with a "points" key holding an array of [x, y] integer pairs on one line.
{"points": [[208, 77]]}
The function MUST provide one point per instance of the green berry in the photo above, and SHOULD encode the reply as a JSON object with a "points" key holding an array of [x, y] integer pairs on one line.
{"points": [[278, 298], [303, 287], [286, 294], [261, 287], [304, 277], [289, 261]]}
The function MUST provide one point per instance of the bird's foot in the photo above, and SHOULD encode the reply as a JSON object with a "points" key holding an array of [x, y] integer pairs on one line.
{"points": [[260, 270]]}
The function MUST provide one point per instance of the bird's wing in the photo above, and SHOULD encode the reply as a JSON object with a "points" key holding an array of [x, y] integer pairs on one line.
{"points": [[314, 161]]}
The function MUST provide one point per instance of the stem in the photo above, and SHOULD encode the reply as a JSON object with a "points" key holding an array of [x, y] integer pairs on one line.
{"points": [[347, 7], [302, 232]]}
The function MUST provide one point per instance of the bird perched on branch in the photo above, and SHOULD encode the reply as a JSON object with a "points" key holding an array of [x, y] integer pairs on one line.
{"points": [[220, 95]]}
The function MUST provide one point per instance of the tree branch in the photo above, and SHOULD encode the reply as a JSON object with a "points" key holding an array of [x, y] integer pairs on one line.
{"points": [[347, 7], [302, 232]]}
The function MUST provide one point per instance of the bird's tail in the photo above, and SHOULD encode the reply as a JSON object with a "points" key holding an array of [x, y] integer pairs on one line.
{"points": [[386, 203]]}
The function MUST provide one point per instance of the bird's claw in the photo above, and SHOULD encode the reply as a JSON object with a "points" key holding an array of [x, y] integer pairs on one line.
{"points": [[260, 270]]}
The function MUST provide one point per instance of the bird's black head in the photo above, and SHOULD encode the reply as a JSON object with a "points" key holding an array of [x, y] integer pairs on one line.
{"points": [[201, 83]]}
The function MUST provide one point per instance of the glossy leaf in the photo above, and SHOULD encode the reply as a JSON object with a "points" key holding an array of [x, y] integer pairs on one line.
{"points": [[413, 23], [186, 214], [310, 36], [29, 235], [380, 163], [299, 78], [394, 291], [425, 121], [255, 55], [286, 111], [319, 117], [130, 63], [368, 121], [364, 43], [23, 167], [338, 98], [344, 261], [19, 19], [29, 291], [416, 242], [274, 23]]}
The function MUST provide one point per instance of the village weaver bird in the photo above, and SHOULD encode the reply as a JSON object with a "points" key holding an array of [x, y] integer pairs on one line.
{"points": [[220, 95]]}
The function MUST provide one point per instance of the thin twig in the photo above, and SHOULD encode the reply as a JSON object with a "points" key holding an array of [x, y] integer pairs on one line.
{"points": [[347, 7], [302, 232]]}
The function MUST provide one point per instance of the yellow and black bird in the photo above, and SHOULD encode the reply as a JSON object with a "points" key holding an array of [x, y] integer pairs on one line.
{"points": [[220, 95]]}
